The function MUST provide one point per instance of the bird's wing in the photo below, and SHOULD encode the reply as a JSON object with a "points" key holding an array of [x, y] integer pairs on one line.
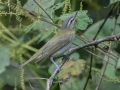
{"points": [[57, 42], [53, 45]]}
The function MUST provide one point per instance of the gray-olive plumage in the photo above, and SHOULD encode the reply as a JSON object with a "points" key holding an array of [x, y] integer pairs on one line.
{"points": [[58, 44]]}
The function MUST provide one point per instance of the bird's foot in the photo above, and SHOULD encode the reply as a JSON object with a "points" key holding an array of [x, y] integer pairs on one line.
{"points": [[66, 57]]}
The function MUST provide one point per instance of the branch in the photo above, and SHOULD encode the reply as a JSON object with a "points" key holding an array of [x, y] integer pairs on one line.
{"points": [[96, 42]]}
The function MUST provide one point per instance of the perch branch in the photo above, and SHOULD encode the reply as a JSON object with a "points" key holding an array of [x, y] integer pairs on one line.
{"points": [[96, 42]]}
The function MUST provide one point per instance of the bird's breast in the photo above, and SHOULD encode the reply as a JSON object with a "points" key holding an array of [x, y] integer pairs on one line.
{"points": [[65, 48]]}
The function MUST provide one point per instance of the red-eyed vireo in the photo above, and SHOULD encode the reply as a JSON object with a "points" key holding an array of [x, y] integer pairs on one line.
{"points": [[60, 43]]}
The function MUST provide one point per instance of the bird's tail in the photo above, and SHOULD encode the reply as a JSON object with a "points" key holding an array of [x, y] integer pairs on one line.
{"points": [[26, 62], [32, 58]]}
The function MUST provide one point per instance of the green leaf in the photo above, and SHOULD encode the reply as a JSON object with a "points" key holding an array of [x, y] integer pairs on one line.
{"points": [[83, 20], [75, 83], [75, 56], [105, 31], [113, 2], [4, 58], [32, 6]]}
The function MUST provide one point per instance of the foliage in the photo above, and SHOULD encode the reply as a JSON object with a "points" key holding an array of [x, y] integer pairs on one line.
{"points": [[25, 27]]}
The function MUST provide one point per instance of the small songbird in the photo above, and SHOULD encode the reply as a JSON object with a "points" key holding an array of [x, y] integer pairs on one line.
{"points": [[60, 43]]}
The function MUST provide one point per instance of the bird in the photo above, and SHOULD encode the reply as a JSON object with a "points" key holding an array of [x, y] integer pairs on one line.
{"points": [[58, 44]]}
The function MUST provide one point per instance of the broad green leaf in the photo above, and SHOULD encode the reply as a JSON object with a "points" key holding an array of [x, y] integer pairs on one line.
{"points": [[4, 58], [75, 56], [75, 83], [32, 6], [83, 20], [113, 2], [105, 31]]}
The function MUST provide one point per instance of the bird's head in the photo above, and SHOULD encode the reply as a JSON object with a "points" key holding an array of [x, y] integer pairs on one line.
{"points": [[68, 24]]}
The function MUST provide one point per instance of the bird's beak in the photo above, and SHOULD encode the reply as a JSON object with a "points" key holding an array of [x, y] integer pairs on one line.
{"points": [[74, 16]]}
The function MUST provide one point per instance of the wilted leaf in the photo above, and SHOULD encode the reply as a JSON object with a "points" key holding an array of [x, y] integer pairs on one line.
{"points": [[72, 68]]}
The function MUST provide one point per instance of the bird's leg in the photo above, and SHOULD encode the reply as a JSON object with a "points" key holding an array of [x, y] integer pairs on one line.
{"points": [[66, 56], [51, 58]]}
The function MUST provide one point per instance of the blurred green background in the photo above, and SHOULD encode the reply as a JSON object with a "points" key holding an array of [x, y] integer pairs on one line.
{"points": [[21, 35]]}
